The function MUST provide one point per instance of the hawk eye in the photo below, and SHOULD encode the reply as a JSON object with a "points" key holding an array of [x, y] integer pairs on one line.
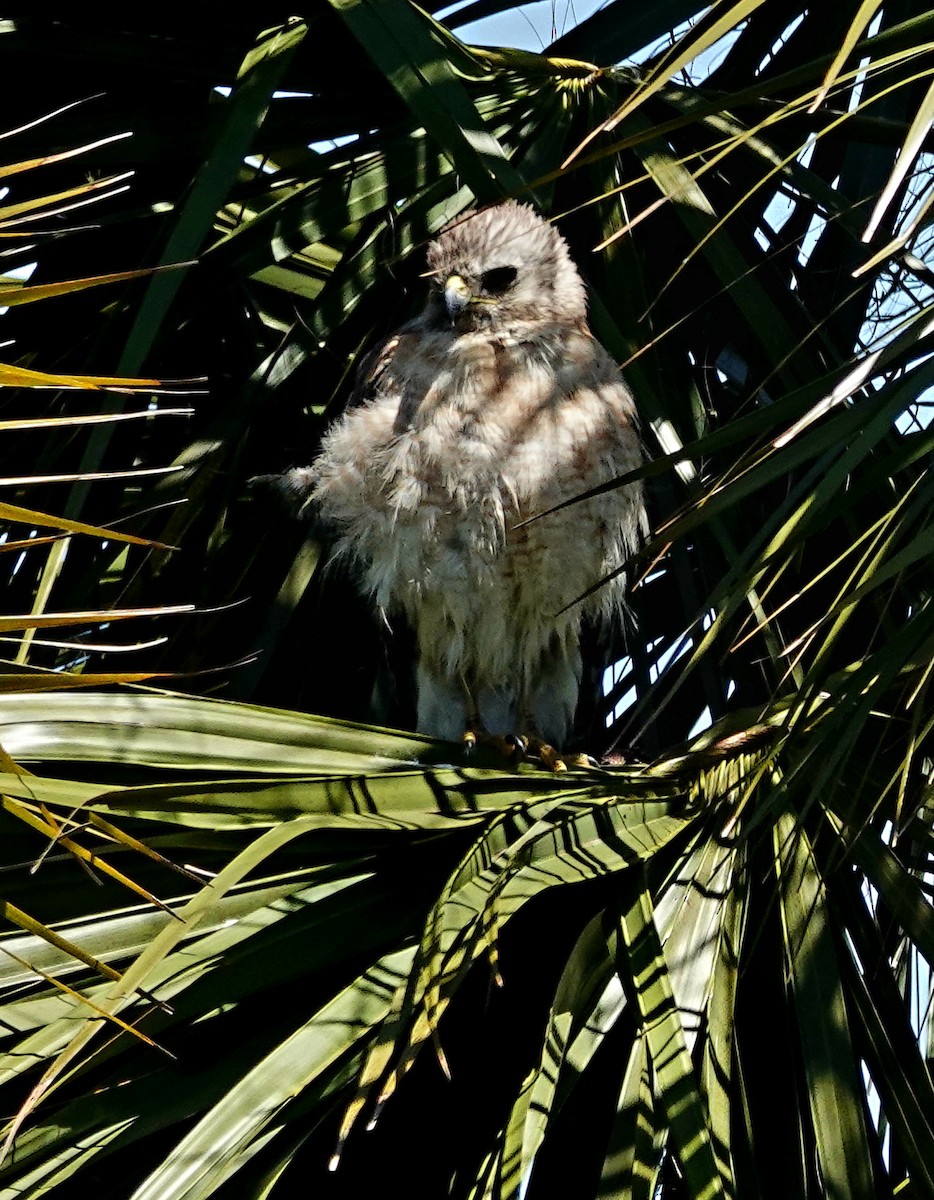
{"points": [[496, 281]]}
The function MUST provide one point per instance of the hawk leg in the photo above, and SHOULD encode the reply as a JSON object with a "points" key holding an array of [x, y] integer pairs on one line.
{"points": [[461, 707], [521, 744], [534, 745], [476, 734]]}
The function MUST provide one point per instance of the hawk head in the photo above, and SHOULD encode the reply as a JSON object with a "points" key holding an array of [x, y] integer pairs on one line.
{"points": [[499, 267]]}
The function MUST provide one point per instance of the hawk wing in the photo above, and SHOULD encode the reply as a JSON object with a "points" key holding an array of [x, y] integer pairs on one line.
{"points": [[294, 488]]}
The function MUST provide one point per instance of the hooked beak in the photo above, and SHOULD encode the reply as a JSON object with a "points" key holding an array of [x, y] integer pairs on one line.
{"points": [[457, 296]]}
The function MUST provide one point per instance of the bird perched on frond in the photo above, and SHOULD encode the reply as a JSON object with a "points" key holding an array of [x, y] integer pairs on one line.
{"points": [[494, 405]]}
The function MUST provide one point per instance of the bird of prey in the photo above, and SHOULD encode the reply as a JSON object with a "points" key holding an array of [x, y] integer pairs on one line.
{"points": [[493, 406]]}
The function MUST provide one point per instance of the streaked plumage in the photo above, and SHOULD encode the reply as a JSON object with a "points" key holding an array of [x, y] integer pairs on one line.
{"points": [[495, 404]]}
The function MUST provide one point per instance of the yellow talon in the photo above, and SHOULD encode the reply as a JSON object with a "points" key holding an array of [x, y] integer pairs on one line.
{"points": [[550, 758], [519, 746]]}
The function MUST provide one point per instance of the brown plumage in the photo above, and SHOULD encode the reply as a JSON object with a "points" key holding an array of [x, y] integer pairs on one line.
{"points": [[495, 404]]}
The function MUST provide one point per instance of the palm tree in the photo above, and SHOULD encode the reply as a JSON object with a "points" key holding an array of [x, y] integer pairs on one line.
{"points": [[254, 930]]}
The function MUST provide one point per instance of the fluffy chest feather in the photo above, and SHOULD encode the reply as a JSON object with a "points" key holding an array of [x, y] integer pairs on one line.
{"points": [[459, 440], [477, 419]]}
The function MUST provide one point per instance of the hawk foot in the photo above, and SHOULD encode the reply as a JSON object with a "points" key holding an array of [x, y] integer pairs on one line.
{"points": [[518, 746], [505, 745], [534, 747]]}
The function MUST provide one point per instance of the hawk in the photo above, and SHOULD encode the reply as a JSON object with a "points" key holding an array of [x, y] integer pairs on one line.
{"points": [[493, 406]]}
